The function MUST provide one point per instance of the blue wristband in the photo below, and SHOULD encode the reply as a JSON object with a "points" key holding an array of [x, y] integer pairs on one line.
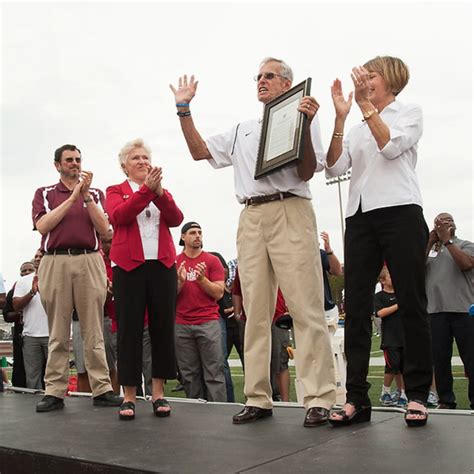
{"points": [[182, 104]]}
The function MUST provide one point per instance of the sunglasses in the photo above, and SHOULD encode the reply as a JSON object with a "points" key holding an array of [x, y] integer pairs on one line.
{"points": [[267, 75]]}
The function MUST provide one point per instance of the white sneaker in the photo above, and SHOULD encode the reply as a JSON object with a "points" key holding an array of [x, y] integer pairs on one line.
{"points": [[433, 399]]}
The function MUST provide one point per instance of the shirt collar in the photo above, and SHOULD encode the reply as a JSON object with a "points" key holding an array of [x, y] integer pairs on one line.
{"points": [[395, 106], [63, 188]]}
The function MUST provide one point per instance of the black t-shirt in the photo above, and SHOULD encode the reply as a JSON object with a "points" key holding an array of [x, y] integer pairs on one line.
{"points": [[392, 328], [328, 301], [224, 303]]}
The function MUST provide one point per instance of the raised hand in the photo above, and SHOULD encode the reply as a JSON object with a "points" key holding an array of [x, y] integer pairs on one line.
{"points": [[432, 238], [327, 244], [341, 105], [360, 78], [186, 90], [444, 229]]}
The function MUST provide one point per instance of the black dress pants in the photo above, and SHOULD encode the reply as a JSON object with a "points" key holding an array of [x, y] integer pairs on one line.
{"points": [[150, 287], [397, 235], [445, 328]]}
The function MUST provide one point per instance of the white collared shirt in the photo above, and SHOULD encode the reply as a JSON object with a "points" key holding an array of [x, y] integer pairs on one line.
{"points": [[149, 227], [239, 148], [387, 177]]}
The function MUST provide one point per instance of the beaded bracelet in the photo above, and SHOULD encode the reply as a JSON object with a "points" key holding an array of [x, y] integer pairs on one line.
{"points": [[182, 104], [183, 114]]}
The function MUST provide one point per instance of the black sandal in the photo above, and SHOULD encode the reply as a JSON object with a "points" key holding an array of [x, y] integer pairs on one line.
{"points": [[416, 421], [127, 406], [158, 403], [361, 414]]}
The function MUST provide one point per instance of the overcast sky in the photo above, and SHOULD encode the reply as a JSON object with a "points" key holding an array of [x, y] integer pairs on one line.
{"points": [[97, 74]]}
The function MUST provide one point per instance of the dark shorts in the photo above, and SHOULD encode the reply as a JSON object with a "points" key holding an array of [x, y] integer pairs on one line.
{"points": [[393, 360]]}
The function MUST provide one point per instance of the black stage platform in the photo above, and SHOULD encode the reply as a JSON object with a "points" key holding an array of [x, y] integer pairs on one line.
{"points": [[200, 438]]}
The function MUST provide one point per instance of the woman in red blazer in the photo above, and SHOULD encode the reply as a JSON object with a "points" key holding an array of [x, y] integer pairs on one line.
{"points": [[144, 274]]}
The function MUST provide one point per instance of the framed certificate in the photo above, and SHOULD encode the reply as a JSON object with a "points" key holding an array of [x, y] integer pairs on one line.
{"points": [[281, 140]]}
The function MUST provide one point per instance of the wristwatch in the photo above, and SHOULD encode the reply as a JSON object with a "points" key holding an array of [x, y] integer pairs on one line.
{"points": [[449, 242], [368, 114]]}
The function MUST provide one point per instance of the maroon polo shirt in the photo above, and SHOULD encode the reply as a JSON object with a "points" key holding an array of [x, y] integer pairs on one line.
{"points": [[76, 229]]}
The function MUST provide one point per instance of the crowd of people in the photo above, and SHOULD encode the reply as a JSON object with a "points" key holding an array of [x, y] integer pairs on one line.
{"points": [[184, 302]]}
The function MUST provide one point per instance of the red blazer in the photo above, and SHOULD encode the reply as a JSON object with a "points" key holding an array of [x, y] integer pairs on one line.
{"points": [[123, 206]]}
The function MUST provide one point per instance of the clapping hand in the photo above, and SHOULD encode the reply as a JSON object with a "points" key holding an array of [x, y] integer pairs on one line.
{"points": [[34, 285], [86, 178], [327, 245], [341, 105], [182, 273], [360, 78], [444, 229], [153, 180], [200, 271]]}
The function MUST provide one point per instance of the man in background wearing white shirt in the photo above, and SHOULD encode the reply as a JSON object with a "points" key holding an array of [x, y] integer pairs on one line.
{"points": [[35, 330]]}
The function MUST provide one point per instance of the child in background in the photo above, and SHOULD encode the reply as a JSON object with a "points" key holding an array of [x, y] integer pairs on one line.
{"points": [[386, 308]]}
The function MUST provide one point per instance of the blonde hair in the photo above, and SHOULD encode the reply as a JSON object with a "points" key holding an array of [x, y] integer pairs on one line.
{"points": [[393, 70], [129, 147]]}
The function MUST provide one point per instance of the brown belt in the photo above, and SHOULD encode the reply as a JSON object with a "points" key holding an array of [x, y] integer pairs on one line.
{"points": [[268, 198]]}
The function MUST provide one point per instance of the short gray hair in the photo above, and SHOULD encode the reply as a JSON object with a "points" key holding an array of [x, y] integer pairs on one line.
{"points": [[129, 147], [285, 70]]}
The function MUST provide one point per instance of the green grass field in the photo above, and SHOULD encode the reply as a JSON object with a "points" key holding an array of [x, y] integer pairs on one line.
{"points": [[375, 379]]}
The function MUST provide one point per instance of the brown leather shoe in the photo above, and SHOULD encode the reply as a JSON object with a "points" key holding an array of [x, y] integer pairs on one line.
{"points": [[249, 414], [316, 416]]}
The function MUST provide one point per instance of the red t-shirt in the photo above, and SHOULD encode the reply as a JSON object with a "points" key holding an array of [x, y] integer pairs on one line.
{"points": [[194, 305], [75, 229], [280, 307]]}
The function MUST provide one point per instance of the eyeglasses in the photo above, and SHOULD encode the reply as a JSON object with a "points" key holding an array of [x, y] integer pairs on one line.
{"points": [[267, 75]]}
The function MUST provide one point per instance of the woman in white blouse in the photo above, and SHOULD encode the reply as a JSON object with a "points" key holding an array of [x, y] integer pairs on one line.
{"points": [[144, 274], [384, 223]]}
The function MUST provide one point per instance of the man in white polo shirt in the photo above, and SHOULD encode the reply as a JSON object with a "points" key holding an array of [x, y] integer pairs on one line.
{"points": [[277, 245]]}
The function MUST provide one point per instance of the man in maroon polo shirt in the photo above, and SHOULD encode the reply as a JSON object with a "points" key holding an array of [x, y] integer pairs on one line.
{"points": [[69, 215]]}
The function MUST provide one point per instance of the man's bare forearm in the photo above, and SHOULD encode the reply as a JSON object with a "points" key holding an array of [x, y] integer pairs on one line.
{"points": [[307, 166], [215, 289], [196, 145], [50, 220], [98, 218]]}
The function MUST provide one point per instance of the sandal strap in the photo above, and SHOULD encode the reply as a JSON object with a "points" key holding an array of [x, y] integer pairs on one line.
{"points": [[160, 402], [416, 412], [127, 406]]}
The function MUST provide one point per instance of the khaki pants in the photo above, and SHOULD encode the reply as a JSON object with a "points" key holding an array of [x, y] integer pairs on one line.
{"points": [[277, 244], [67, 282]]}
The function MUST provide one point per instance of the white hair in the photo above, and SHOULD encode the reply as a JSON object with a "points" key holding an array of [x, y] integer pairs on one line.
{"points": [[285, 70]]}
